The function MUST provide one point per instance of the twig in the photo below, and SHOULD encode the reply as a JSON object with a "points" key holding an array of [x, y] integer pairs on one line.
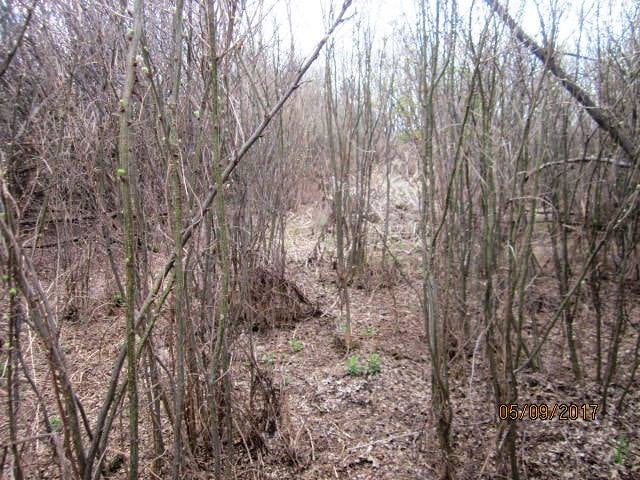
{"points": [[383, 440], [313, 450], [399, 267], [25, 440], [611, 161], [53, 244]]}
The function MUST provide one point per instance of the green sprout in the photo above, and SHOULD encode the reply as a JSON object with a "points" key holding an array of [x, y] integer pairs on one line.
{"points": [[118, 300], [353, 366], [296, 345], [373, 364], [269, 358], [55, 423], [622, 451]]}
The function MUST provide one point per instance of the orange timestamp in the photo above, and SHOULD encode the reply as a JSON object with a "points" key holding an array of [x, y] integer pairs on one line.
{"points": [[542, 411]]}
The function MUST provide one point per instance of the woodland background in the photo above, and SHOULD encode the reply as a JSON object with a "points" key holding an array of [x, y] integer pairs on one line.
{"points": [[224, 257]]}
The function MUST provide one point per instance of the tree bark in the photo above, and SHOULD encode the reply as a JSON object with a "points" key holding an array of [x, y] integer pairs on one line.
{"points": [[124, 172]]}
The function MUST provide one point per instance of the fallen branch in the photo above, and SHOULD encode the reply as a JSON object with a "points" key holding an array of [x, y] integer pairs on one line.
{"points": [[27, 439], [388, 439], [610, 161], [53, 244]]}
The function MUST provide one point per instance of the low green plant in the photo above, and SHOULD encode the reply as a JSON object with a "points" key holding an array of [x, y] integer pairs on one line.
{"points": [[353, 366], [296, 345], [269, 358], [373, 364], [372, 331], [401, 244], [371, 367], [622, 451], [55, 423], [342, 328], [118, 301]]}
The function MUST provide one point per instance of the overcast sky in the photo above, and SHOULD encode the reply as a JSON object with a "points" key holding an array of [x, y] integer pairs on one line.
{"points": [[308, 24]]}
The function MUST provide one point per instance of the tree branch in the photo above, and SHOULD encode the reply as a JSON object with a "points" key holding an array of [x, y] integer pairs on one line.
{"points": [[14, 50], [604, 120]]}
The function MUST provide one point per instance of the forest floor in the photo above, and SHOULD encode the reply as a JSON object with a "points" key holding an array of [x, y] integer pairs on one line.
{"points": [[365, 414], [379, 426]]}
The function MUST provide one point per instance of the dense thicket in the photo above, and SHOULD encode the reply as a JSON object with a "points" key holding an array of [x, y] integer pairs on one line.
{"points": [[154, 153]]}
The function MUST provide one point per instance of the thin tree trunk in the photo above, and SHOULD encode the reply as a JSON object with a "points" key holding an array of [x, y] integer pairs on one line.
{"points": [[13, 379], [126, 178], [175, 166], [220, 356]]}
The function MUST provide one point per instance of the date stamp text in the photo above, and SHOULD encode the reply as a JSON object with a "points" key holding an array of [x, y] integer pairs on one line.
{"points": [[542, 411]]}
